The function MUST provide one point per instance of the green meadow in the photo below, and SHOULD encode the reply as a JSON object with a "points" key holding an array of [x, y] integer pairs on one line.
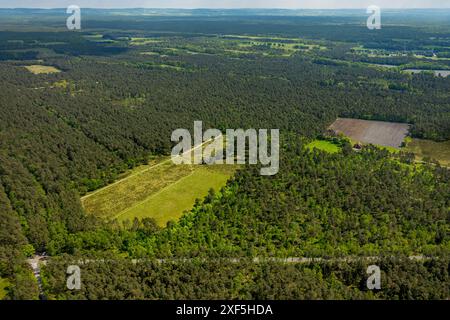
{"points": [[162, 191], [170, 202], [138, 186], [40, 69], [324, 145], [439, 151]]}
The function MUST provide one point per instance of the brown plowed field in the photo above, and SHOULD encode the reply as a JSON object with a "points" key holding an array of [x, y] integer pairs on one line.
{"points": [[388, 134]]}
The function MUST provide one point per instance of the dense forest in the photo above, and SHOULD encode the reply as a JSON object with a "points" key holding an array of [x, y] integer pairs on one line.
{"points": [[119, 278], [319, 205], [113, 106]]}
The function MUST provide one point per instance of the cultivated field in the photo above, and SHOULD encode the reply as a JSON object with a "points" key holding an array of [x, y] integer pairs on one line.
{"points": [[39, 69], [387, 134]]}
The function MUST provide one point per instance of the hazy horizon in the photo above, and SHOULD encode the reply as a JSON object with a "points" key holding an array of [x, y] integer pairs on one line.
{"points": [[227, 4]]}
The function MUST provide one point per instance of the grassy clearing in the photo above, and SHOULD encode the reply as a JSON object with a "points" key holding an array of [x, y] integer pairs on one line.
{"points": [[324, 145], [267, 46], [170, 202], [271, 39], [93, 36], [132, 102], [143, 41], [161, 190], [3, 285], [289, 47], [165, 66], [61, 84], [150, 53], [115, 198], [39, 69], [439, 151], [168, 66], [390, 149]]}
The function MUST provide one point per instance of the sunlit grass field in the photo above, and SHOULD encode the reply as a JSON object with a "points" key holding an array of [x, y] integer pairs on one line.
{"points": [[170, 202], [159, 190], [39, 69], [324, 146], [121, 195], [162, 191]]}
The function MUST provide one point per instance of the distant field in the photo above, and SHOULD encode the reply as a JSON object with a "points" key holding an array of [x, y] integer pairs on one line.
{"points": [[437, 73], [3, 285], [143, 41], [324, 146], [39, 69], [436, 150], [387, 134], [170, 202]]}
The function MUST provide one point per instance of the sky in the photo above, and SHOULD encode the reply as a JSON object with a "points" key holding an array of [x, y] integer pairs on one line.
{"points": [[289, 4]]}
